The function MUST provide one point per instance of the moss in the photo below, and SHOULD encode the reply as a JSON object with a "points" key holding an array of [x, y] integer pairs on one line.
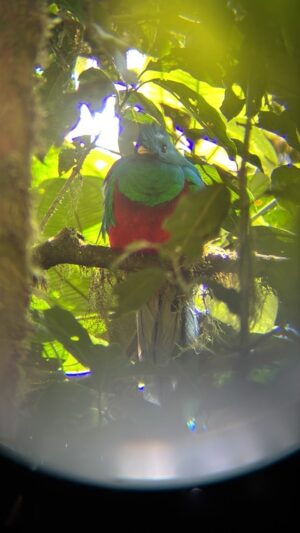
{"points": [[22, 28]]}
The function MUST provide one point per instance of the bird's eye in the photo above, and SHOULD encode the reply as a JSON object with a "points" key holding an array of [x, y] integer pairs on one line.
{"points": [[164, 148]]}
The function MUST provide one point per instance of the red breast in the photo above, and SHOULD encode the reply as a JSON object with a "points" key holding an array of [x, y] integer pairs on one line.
{"points": [[135, 221]]}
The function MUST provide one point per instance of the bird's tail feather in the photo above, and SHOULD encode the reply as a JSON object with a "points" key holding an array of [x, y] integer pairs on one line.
{"points": [[166, 325]]}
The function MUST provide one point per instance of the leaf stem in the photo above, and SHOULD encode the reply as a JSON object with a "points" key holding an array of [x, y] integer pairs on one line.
{"points": [[264, 209]]}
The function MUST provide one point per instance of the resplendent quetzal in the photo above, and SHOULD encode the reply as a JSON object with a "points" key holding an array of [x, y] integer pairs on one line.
{"points": [[141, 191]]}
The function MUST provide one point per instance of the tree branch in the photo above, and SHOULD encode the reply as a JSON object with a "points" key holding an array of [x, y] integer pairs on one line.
{"points": [[69, 247]]}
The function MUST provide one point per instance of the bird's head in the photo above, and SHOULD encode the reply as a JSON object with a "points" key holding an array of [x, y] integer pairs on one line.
{"points": [[154, 140]]}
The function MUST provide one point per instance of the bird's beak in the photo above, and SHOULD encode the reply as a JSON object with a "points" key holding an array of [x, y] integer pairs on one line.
{"points": [[142, 150]]}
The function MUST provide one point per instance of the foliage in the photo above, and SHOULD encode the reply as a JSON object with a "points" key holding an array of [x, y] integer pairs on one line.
{"points": [[208, 65]]}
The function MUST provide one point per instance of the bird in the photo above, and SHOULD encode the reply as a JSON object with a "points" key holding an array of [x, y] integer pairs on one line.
{"points": [[141, 191]]}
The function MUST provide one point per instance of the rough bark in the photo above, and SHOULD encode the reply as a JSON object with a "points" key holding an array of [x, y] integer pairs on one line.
{"points": [[68, 247], [21, 29]]}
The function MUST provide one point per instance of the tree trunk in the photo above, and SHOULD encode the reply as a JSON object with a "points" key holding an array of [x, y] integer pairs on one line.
{"points": [[22, 26]]}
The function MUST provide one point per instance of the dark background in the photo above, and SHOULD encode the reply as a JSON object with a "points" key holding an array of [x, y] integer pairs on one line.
{"points": [[257, 501]]}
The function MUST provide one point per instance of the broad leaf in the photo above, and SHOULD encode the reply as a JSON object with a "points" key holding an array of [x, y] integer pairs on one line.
{"points": [[68, 157], [94, 87], [204, 113], [69, 332], [286, 184], [273, 241], [232, 105], [259, 146], [137, 289], [281, 124], [66, 329], [197, 218], [45, 167], [81, 207], [198, 64], [250, 157], [69, 288], [149, 107], [258, 184], [209, 174]]}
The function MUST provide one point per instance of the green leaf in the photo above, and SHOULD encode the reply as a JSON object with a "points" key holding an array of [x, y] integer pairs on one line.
{"points": [[67, 159], [66, 329], [273, 241], [200, 65], [204, 113], [209, 174], [69, 288], [137, 289], [213, 95], [94, 87], [259, 145], [286, 184], [250, 157], [266, 310], [197, 218], [97, 163], [258, 184], [80, 208], [280, 218], [149, 107], [46, 167], [232, 105], [69, 332], [131, 114], [281, 124]]}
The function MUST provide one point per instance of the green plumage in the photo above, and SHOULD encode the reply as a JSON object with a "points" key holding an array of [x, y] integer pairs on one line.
{"points": [[149, 179], [141, 191]]}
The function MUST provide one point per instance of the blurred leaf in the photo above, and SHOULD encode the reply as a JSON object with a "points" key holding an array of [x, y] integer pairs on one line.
{"points": [[69, 288], [199, 65], [196, 219], [281, 218], [67, 159], [46, 167], [258, 184], [149, 107], [128, 135], [281, 124], [273, 241], [214, 96], [266, 310], [209, 174], [136, 116], [286, 184], [250, 157], [204, 113], [94, 87], [232, 105], [259, 145], [97, 163], [80, 208], [264, 374], [66, 329], [137, 289]]}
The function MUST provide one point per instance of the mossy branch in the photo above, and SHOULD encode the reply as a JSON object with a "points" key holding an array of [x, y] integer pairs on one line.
{"points": [[69, 247]]}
